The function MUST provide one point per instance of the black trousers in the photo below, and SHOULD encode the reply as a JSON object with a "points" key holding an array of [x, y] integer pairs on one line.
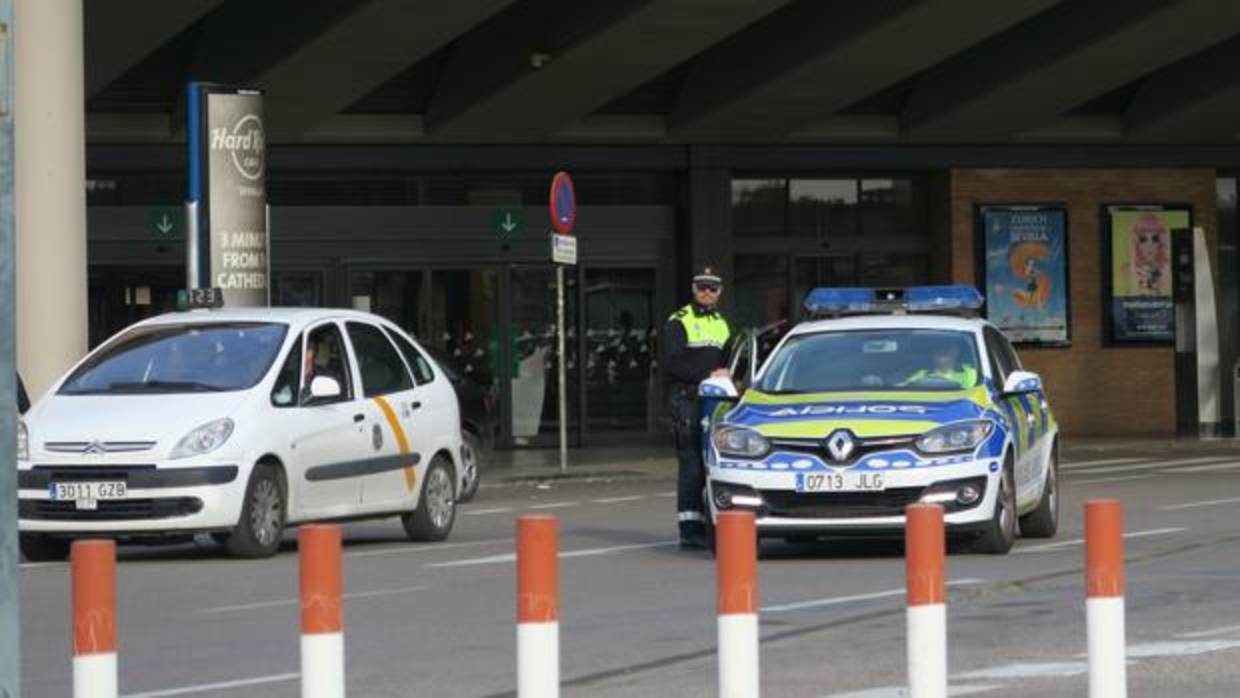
{"points": [[691, 473]]}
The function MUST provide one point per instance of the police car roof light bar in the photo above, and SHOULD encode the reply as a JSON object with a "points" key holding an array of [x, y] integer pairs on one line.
{"points": [[917, 299]]}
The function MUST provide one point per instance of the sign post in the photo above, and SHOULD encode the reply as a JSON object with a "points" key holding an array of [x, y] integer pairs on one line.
{"points": [[563, 252]]}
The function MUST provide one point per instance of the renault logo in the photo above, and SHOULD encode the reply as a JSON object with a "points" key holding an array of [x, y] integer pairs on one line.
{"points": [[840, 445]]}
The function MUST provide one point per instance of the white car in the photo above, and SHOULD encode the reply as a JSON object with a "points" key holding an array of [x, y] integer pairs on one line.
{"points": [[852, 419], [237, 423]]}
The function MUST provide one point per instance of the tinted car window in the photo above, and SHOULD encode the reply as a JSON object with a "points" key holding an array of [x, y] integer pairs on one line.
{"points": [[1004, 361], [23, 400], [382, 370], [325, 355], [284, 392], [185, 358], [422, 372]]}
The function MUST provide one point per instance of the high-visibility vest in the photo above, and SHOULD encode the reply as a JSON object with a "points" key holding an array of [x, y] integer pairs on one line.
{"points": [[702, 331], [966, 377]]}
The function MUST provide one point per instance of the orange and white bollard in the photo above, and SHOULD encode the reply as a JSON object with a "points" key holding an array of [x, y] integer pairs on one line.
{"points": [[322, 616], [1104, 605], [924, 550], [736, 542], [538, 607], [93, 564]]}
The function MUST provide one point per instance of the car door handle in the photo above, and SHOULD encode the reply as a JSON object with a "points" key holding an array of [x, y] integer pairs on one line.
{"points": [[358, 417], [415, 406]]}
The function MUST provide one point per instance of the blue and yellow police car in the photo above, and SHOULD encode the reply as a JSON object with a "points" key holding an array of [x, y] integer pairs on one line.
{"points": [[886, 398]]}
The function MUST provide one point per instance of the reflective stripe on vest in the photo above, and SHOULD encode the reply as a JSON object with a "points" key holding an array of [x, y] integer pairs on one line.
{"points": [[702, 331]]}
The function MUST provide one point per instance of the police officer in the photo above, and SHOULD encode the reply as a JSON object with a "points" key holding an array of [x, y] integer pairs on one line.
{"points": [[694, 345]]}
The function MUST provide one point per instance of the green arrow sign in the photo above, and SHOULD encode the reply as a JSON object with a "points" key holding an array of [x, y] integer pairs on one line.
{"points": [[508, 223], [168, 222]]}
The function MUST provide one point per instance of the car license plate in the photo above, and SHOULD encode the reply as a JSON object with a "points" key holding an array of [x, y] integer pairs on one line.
{"points": [[86, 495], [840, 482]]}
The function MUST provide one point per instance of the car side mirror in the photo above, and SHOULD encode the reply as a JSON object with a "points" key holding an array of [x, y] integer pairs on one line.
{"points": [[1021, 382], [324, 388], [718, 388]]}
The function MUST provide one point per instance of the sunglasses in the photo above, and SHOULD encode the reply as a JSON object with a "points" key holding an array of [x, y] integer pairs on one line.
{"points": [[1148, 238], [711, 288]]}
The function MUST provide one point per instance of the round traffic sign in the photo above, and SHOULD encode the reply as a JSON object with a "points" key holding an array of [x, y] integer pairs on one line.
{"points": [[563, 203]]}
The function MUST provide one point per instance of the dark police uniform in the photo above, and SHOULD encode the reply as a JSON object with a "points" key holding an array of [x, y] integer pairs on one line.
{"points": [[694, 345]]}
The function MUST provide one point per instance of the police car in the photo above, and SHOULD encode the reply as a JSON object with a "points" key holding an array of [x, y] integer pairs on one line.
{"points": [[898, 397], [236, 423]]}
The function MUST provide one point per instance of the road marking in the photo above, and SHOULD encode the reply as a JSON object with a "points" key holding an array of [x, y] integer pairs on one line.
{"points": [[556, 505], [834, 601], [484, 512], [203, 688], [1027, 671], [429, 548], [1101, 480], [1081, 541], [616, 500], [902, 692], [1210, 633], [1106, 461], [666, 494], [1203, 503], [512, 557], [1149, 650], [1232, 465], [1148, 465], [294, 602]]}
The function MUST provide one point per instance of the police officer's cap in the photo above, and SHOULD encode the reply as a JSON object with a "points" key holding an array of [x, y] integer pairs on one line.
{"points": [[708, 276]]}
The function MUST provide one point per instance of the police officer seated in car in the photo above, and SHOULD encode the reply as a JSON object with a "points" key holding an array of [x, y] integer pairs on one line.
{"points": [[945, 368]]}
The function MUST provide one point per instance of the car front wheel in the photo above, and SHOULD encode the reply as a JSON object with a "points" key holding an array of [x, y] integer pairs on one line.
{"points": [[432, 519], [999, 534], [261, 528], [1043, 522]]}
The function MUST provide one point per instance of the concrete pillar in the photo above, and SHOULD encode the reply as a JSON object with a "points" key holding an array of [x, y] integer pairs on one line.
{"points": [[50, 134], [710, 226]]}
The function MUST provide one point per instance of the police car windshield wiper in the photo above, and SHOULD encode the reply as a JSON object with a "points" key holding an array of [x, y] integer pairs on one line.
{"points": [[785, 391], [163, 387]]}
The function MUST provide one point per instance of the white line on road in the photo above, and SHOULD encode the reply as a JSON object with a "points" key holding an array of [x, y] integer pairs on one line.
{"points": [[1203, 503], [556, 505], [666, 494], [902, 692], [484, 512], [1027, 671], [203, 688], [293, 602], [834, 601], [1232, 465], [1211, 633], [428, 548], [1107, 461], [1081, 541], [617, 500], [588, 552], [1101, 480], [1147, 650], [1149, 465]]}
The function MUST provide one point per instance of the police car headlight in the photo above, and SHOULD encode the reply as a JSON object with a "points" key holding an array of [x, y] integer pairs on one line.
{"points": [[204, 439], [961, 436], [23, 441], [740, 442]]}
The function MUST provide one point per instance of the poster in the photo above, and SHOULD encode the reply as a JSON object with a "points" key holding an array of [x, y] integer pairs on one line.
{"points": [[1025, 272], [1139, 246]]}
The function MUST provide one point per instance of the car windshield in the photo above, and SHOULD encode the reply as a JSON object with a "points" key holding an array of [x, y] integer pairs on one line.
{"points": [[186, 358], [900, 359]]}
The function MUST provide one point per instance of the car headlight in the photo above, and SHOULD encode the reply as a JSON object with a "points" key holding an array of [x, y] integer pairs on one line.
{"points": [[23, 441], [204, 439], [740, 442], [961, 436]]}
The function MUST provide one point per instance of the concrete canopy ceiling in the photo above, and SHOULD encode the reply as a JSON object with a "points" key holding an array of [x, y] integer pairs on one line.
{"points": [[677, 71]]}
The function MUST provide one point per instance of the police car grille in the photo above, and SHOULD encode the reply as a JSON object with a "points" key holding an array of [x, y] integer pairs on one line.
{"points": [[117, 510], [863, 448], [839, 505]]}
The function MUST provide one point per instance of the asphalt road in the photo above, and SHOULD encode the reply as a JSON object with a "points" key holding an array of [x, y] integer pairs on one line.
{"points": [[637, 614]]}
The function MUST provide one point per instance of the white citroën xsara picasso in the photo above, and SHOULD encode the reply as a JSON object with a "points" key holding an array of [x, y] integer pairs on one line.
{"points": [[237, 422]]}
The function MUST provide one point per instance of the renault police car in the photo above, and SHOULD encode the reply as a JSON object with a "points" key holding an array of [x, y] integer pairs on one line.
{"points": [[896, 398], [236, 423]]}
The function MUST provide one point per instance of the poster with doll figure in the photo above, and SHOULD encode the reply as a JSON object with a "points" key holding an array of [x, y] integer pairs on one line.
{"points": [[1026, 272], [1140, 284]]}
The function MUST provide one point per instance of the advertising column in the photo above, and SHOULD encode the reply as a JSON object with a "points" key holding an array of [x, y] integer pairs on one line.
{"points": [[227, 235]]}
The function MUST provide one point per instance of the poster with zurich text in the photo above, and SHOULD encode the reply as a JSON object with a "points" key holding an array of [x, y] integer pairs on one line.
{"points": [[1026, 272], [1141, 308]]}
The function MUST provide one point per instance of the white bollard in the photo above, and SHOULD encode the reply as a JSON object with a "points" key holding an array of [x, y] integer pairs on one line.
{"points": [[538, 607], [322, 616], [924, 550], [737, 545], [93, 569], [1104, 604]]}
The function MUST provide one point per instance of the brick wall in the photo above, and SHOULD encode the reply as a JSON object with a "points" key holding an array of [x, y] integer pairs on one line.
{"points": [[1093, 390]]}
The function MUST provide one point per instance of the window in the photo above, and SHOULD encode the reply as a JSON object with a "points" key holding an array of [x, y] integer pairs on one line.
{"points": [[822, 207], [826, 209], [759, 206], [873, 360], [1001, 356], [284, 392], [422, 373], [382, 370], [326, 356]]}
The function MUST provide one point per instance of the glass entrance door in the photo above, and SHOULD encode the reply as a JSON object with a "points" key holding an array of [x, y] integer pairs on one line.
{"points": [[532, 359], [620, 366]]}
